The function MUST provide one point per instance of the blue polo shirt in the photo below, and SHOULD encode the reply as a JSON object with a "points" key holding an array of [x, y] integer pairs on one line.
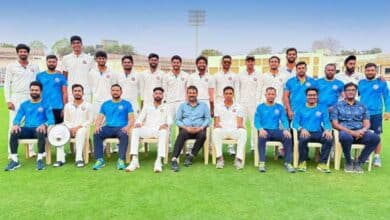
{"points": [[52, 88], [312, 119], [373, 94], [270, 117], [116, 113], [329, 91], [297, 90], [193, 116], [34, 114]]}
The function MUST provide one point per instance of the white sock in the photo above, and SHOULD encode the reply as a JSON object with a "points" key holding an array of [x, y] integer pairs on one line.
{"points": [[376, 155], [135, 157], [40, 156], [14, 157]]}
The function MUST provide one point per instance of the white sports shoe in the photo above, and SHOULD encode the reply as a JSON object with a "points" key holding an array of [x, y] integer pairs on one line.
{"points": [[231, 150], [134, 164], [157, 166]]}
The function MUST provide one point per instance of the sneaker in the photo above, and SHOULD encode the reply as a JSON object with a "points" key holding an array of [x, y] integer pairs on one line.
{"points": [[157, 166], [231, 150], [80, 164], [377, 162], [357, 168], [323, 168], [120, 164], [289, 167], [238, 164], [348, 168], [280, 153], [99, 164], [40, 165], [302, 167], [12, 165], [188, 161], [220, 163], [58, 164], [175, 166], [132, 166], [262, 167]]}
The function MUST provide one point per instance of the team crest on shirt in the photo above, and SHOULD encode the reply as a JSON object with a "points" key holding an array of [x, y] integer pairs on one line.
{"points": [[84, 62], [308, 84], [280, 80], [356, 78], [32, 70], [234, 110], [277, 111], [120, 107], [375, 86], [157, 77], [255, 79], [40, 109], [132, 78], [318, 113], [335, 87], [83, 108], [107, 76], [57, 80], [206, 80], [230, 78], [182, 78]]}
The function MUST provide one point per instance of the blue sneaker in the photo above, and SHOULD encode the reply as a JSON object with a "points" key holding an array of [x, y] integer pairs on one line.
{"points": [[12, 165], [99, 164], [40, 165], [120, 165]]}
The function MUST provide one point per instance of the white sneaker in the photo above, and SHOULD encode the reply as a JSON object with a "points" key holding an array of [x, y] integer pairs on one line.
{"points": [[220, 163], [231, 150], [238, 164], [132, 166], [189, 148], [157, 166]]}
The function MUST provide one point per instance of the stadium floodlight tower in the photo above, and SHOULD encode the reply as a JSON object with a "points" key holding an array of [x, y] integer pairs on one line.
{"points": [[196, 18]]}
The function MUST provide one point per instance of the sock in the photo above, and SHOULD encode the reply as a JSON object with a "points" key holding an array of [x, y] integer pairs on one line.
{"points": [[376, 155], [14, 157], [174, 159], [135, 157], [40, 156]]}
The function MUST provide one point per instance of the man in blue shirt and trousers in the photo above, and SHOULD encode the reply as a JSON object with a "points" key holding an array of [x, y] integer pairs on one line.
{"points": [[37, 116], [118, 115], [193, 118], [311, 120], [352, 119]]}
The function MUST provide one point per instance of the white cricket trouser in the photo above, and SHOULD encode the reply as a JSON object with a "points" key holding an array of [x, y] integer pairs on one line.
{"points": [[79, 146], [148, 132], [249, 110], [96, 109], [17, 100], [228, 133]]}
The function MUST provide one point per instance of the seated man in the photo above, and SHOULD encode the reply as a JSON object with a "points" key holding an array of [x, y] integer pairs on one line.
{"points": [[153, 122], [351, 118], [313, 125], [272, 125], [78, 116], [119, 118], [37, 116], [192, 118], [229, 123]]}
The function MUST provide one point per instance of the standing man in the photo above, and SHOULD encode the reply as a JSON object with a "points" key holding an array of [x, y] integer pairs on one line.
{"points": [[37, 116], [229, 123], [193, 118], [250, 91], [150, 79], [352, 120], [223, 79], [330, 89], [153, 122], [130, 82], [274, 78], [295, 90], [100, 81], [313, 125], [291, 57], [374, 94], [272, 125], [350, 75], [78, 117], [76, 67], [18, 76], [119, 118]]}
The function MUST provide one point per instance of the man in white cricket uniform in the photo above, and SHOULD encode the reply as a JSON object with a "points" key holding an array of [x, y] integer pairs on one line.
{"points": [[350, 75], [130, 81], [249, 98], [100, 81], [229, 123], [18, 76], [153, 122], [150, 79], [78, 117], [76, 67], [291, 57]]}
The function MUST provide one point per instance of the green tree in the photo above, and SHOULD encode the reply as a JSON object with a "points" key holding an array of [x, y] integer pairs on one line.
{"points": [[210, 52], [261, 50], [61, 47], [38, 45]]}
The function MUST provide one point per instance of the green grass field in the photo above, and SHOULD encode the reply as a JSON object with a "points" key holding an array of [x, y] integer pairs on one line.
{"points": [[198, 192]]}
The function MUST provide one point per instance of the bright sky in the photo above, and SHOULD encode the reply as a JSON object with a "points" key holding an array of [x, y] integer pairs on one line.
{"points": [[233, 27]]}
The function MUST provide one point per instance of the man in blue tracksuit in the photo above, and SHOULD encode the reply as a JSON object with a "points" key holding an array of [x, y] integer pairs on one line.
{"points": [[330, 89], [37, 116], [271, 122], [374, 94], [313, 125], [119, 118]]}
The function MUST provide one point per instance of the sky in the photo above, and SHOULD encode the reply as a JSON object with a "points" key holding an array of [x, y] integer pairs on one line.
{"points": [[233, 27]]}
